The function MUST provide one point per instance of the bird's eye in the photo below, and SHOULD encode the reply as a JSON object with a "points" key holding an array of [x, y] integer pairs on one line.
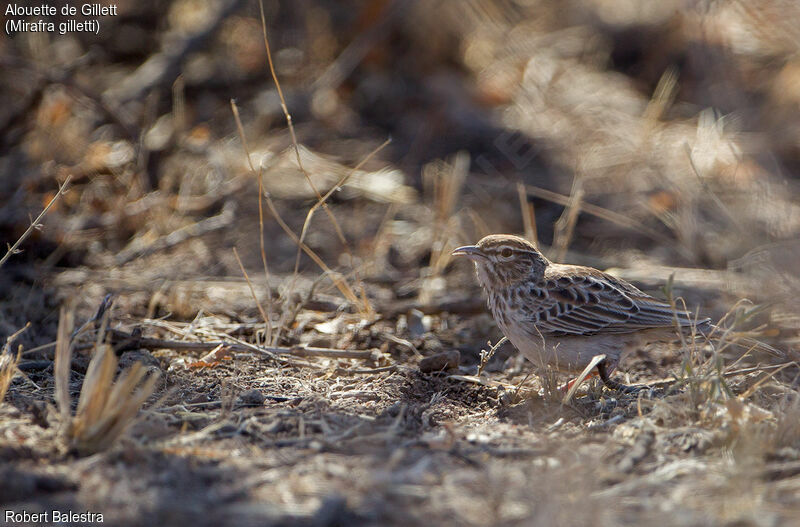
{"points": [[506, 253]]}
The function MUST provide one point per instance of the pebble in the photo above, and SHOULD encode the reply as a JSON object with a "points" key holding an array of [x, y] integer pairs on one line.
{"points": [[251, 398], [440, 362]]}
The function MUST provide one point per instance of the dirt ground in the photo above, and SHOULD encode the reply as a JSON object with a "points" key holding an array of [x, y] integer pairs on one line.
{"points": [[347, 383]]}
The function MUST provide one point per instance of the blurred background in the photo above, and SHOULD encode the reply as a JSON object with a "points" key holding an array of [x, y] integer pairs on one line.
{"points": [[651, 139], [648, 137]]}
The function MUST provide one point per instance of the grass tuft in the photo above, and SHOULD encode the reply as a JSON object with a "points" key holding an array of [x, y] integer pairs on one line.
{"points": [[8, 369], [9, 361], [105, 408]]}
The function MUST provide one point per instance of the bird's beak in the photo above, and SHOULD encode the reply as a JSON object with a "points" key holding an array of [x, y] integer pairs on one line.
{"points": [[470, 251]]}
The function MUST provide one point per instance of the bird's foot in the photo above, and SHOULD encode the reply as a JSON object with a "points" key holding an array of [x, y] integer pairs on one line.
{"points": [[614, 385]]}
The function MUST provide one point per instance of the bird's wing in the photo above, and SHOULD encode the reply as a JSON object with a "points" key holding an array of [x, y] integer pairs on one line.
{"points": [[586, 304]]}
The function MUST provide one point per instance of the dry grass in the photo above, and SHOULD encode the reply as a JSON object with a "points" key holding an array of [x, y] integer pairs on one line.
{"points": [[8, 369], [106, 407], [365, 305], [528, 213], [9, 361], [486, 355], [444, 183], [335, 277], [297, 399]]}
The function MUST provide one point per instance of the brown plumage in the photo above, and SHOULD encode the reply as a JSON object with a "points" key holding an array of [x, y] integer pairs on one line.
{"points": [[563, 315]]}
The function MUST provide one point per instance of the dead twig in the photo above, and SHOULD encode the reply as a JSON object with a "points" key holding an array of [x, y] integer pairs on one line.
{"points": [[487, 355], [131, 340], [35, 223]]}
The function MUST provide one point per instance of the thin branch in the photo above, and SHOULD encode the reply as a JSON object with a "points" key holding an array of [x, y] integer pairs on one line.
{"points": [[132, 340], [35, 223], [11, 338]]}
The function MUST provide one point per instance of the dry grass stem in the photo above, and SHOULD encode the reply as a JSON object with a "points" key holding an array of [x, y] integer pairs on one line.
{"points": [[605, 214], [269, 335], [9, 361], [334, 222], [321, 202], [264, 316], [446, 181], [335, 277], [565, 225], [528, 214], [105, 408], [61, 368], [35, 224], [261, 196], [487, 355]]}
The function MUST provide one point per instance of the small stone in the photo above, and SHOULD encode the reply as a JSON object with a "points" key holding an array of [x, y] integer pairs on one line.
{"points": [[440, 362], [147, 359], [251, 398]]}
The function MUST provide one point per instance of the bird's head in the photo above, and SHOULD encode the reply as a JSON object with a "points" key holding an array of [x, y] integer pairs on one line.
{"points": [[502, 260]]}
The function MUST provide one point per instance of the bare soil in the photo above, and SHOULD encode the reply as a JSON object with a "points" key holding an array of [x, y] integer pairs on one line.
{"points": [[648, 142]]}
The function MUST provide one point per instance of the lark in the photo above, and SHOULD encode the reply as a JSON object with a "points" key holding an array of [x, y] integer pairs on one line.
{"points": [[563, 316]]}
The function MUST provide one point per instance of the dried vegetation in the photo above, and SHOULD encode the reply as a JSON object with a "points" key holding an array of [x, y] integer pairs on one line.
{"points": [[283, 295]]}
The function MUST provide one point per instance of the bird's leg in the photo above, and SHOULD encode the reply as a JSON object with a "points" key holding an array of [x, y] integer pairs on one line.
{"points": [[614, 385], [567, 387]]}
